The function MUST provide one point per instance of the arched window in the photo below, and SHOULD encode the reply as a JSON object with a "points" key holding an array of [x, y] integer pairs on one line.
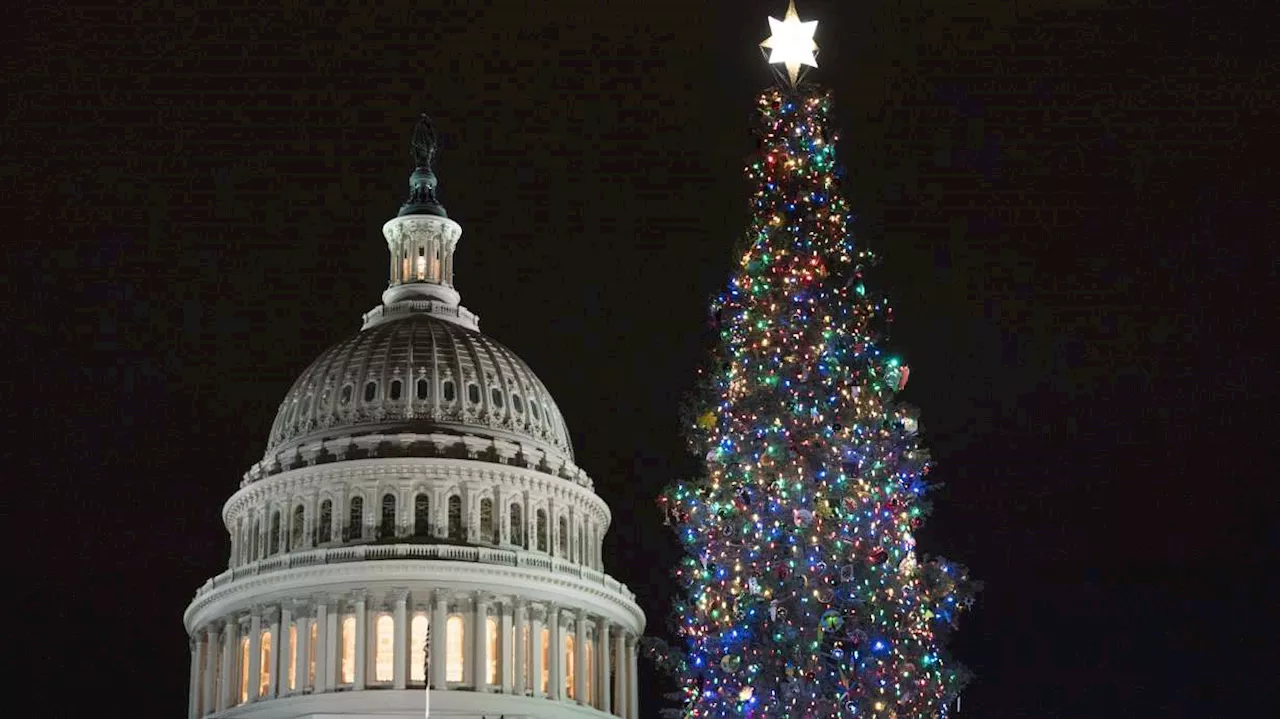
{"points": [[562, 537], [453, 649], [582, 544], [421, 516], [274, 545], [546, 660], [326, 521], [542, 530], [491, 637], [355, 518], [424, 387], [370, 390], [455, 519], [264, 662], [396, 387], [384, 648], [244, 670], [291, 671], [387, 527], [418, 648], [486, 519], [517, 525], [348, 659], [346, 394], [253, 541], [570, 686], [473, 393], [299, 525], [448, 391]]}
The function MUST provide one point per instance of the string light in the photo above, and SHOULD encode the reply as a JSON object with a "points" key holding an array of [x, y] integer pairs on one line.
{"points": [[804, 596]]}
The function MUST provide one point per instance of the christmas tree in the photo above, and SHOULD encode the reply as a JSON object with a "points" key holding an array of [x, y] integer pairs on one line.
{"points": [[803, 592]]}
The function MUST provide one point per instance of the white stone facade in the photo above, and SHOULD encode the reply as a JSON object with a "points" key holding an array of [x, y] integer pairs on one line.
{"points": [[417, 521]]}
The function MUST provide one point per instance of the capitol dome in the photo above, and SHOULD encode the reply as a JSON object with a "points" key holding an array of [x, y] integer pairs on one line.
{"points": [[419, 373], [417, 537]]}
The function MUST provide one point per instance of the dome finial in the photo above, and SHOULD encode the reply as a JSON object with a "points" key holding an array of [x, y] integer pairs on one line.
{"points": [[422, 183]]}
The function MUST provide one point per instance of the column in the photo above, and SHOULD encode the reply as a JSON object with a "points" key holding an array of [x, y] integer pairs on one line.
{"points": [[193, 685], [208, 701], [620, 674], [557, 652], [303, 640], [536, 614], [506, 640], [321, 615], [227, 688], [480, 633], [580, 658], [362, 640], [400, 673], [439, 628], [255, 652], [518, 686], [602, 661], [280, 656], [633, 696], [332, 649]]}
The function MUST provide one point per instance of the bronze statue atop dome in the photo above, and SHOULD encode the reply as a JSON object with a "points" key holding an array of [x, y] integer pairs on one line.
{"points": [[422, 183]]}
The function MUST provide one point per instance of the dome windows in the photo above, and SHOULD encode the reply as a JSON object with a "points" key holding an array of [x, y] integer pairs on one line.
{"points": [[487, 525], [297, 528], [533, 409], [355, 518], [455, 517], [326, 522], [347, 390], [421, 516], [473, 393], [496, 396], [517, 525], [517, 404], [370, 390], [387, 525], [274, 545], [448, 391], [542, 530], [396, 389], [424, 388]]}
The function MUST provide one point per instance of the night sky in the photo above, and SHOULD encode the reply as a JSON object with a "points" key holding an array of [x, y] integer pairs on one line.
{"points": [[1075, 203]]}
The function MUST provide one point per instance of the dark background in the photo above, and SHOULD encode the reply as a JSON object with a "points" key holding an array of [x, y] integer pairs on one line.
{"points": [[1075, 201]]}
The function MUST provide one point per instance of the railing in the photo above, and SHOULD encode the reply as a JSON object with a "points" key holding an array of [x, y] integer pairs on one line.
{"points": [[367, 552]]}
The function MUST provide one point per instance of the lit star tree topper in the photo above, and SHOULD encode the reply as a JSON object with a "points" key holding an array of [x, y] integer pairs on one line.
{"points": [[791, 44]]}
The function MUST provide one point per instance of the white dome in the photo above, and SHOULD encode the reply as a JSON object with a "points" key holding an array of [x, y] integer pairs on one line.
{"points": [[419, 374]]}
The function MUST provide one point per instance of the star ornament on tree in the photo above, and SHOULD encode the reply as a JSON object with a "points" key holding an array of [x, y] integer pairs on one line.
{"points": [[791, 43]]}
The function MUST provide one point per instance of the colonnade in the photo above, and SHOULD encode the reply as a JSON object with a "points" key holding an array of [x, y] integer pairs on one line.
{"points": [[367, 641]]}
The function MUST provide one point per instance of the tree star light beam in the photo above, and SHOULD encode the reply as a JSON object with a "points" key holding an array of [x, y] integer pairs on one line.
{"points": [[792, 43]]}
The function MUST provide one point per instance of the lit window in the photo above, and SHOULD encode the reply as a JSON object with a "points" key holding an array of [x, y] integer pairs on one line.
{"points": [[244, 669], [370, 391], [491, 628], [422, 263], [355, 518], [384, 643], [424, 387], [291, 672], [453, 649], [542, 530], [396, 388], [348, 659], [418, 648], [546, 660], [517, 526], [496, 395], [455, 517], [569, 673], [448, 390], [421, 516], [473, 394], [264, 662], [486, 520], [527, 649]]}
